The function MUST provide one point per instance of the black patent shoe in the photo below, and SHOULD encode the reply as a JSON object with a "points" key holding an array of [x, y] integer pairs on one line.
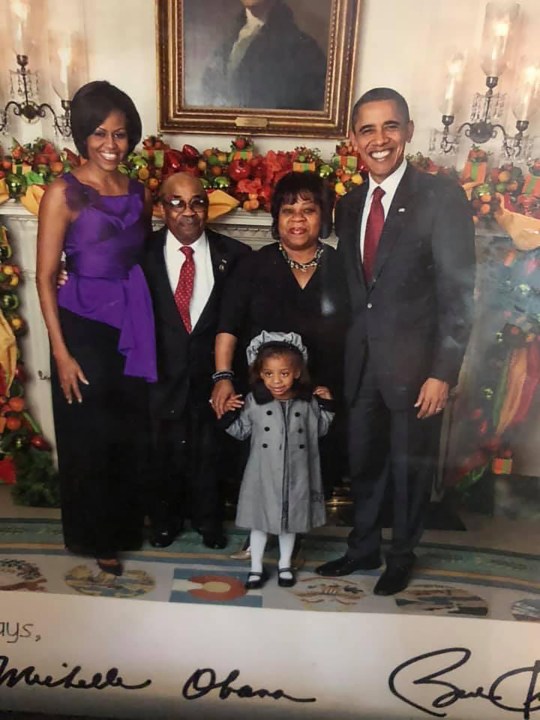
{"points": [[256, 580], [162, 536], [286, 582]]}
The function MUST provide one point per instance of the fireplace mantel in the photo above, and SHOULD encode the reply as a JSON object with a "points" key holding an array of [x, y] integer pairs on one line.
{"points": [[252, 228]]}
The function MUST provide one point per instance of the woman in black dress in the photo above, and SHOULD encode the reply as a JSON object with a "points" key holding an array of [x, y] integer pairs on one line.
{"points": [[295, 284]]}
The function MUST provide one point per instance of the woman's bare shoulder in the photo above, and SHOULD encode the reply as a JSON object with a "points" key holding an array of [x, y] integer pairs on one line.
{"points": [[54, 198]]}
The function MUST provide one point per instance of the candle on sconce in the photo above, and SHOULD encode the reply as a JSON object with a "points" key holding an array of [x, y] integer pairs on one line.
{"points": [[499, 23], [19, 15], [527, 91], [61, 61], [67, 62], [454, 76], [64, 53]]}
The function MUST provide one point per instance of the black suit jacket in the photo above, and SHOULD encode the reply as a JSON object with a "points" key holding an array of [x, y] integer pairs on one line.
{"points": [[415, 317], [185, 360]]}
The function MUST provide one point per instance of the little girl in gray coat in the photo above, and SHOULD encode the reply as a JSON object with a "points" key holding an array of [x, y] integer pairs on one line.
{"points": [[281, 491]]}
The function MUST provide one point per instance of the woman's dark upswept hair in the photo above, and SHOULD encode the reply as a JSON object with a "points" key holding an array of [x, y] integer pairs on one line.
{"points": [[279, 349], [92, 104], [307, 186]]}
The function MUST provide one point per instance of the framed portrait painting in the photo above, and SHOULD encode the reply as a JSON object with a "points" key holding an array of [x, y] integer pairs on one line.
{"points": [[266, 67]]}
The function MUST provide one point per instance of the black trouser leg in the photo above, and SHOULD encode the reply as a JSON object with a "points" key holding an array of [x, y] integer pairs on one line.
{"points": [[369, 465], [206, 492], [414, 445]]}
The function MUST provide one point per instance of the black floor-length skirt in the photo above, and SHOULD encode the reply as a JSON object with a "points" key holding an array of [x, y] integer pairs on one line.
{"points": [[102, 444]]}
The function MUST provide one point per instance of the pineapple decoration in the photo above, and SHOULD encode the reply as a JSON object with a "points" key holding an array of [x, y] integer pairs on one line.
{"points": [[25, 457]]}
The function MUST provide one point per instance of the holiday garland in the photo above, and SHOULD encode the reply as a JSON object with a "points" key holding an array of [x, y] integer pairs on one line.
{"points": [[25, 455], [250, 177]]}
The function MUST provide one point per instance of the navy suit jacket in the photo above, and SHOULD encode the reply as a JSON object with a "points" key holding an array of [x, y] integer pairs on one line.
{"points": [[415, 317]]}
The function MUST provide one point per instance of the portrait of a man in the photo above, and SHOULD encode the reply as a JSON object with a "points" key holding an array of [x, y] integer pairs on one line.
{"points": [[268, 54]]}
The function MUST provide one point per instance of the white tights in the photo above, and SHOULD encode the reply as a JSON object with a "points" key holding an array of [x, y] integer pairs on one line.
{"points": [[258, 540]]}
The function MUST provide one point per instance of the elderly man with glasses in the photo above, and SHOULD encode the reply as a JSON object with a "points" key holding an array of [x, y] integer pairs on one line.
{"points": [[186, 266]]}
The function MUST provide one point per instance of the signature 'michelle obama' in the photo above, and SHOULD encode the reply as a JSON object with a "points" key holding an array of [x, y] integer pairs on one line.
{"points": [[69, 677]]}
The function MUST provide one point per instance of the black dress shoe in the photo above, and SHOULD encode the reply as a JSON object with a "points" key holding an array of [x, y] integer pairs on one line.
{"points": [[394, 579], [214, 539], [161, 536], [346, 565]]}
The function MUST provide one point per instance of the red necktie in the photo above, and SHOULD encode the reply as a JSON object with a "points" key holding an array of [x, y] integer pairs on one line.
{"points": [[375, 223], [184, 289]]}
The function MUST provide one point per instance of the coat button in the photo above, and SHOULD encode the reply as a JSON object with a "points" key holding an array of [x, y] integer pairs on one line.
{"points": [[296, 414], [264, 445], [266, 429], [268, 412], [301, 447], [369, 306], [300, 430]]}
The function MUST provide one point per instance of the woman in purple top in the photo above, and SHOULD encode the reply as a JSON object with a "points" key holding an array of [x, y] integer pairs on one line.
{"points": [[101, 328]]}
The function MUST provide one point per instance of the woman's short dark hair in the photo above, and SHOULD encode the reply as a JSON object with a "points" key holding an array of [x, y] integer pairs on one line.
{"points": [[305, 185], [92, 104], [279, 349]]}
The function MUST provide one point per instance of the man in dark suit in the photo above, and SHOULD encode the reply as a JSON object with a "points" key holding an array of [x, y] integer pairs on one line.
{"points": [[187, 442], [407, 242], [266, 62]]}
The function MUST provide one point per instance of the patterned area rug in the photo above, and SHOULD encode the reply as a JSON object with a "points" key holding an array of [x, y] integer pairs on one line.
{"points": [[448, 580]]}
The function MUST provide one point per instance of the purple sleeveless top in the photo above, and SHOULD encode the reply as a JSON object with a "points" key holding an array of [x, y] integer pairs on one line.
{"points": [[103, 246]]}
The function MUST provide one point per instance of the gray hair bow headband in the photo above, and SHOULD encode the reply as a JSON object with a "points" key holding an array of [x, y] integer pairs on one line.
{"points": [[265, 338]]}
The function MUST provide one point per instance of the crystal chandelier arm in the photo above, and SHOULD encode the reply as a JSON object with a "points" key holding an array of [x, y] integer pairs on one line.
{"points": [[61, 124], [29, 109]]}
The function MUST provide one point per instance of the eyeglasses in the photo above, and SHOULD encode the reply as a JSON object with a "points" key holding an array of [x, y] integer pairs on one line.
{"points": [[196, 204]]}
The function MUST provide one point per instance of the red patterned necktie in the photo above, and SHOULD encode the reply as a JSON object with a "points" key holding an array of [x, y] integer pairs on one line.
{"points": [[375, 223], [184, 289]]}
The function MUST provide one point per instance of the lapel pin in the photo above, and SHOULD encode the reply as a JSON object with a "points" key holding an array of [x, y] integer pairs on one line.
{"points": [[221, 266], [401, 210]]}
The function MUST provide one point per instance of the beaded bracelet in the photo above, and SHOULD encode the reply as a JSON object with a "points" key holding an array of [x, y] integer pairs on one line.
{"points": [[222, 375]]}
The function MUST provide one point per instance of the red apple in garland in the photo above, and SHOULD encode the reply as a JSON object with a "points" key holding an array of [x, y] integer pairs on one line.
{"points": [[239, 170], [174, 161], [39, 442]]}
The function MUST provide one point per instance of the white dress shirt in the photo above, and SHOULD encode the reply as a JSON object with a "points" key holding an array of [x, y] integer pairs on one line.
{"points": [[389, 185], [243, 41], [204, 272]]}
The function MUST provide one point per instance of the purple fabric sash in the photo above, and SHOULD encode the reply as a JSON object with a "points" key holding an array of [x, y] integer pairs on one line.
{"points": [[105, 281]]}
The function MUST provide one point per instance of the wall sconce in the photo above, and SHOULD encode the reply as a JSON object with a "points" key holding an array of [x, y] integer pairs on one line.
{"points": [[67, 66], [487, 108], [28, 108]]}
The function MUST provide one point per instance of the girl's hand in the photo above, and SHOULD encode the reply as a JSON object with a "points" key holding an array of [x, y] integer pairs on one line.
{"points": [[233, 403], [323, 392], [222, 392], [69, 374]]}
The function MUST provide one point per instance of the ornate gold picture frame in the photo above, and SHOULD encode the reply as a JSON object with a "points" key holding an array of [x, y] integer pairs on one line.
{"points": [[220, 72]]}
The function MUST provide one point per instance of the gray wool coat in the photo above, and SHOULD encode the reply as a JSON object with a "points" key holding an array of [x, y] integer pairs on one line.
{"points": [[281, 489]]}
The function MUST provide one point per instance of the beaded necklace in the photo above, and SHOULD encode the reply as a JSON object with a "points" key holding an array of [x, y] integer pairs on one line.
{"points": [[303, 267]]}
